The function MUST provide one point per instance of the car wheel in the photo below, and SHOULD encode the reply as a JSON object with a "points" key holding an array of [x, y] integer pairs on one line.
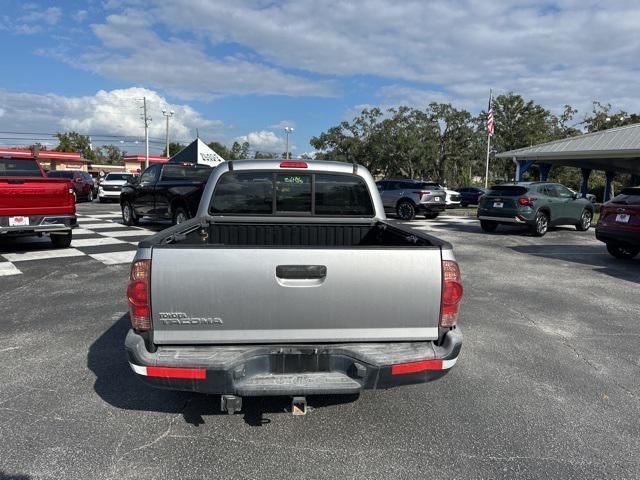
{"points": [[542, 224], [128, 215], [585, 221], [488, 225], [406, 210], [621, 252], [90, 196], [180, 215], [61, 240], [431, 215]]}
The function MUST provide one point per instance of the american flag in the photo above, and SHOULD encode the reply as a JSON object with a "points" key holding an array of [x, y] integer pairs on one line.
{"points": [[490, 118]]}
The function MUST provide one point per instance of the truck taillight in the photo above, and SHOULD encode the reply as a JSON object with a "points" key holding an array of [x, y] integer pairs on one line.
{"points": [[293, 165], [138, 295], [451, 293]]}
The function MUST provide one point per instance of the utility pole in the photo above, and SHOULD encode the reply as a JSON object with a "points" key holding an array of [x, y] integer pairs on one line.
{"points": [[490, 130], [288, 130], [167, 114], [146, 132]]}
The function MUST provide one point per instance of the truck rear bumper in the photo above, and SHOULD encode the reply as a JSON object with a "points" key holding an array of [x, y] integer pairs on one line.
{"points": [[617, 236], [39, 224], [263, 370]]}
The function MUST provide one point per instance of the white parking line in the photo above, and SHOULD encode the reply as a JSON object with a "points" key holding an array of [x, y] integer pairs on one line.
{"points": [[114, 258], [43, 254], [8, 268], [97, 226], [128, 233], [105, 215], [94, 242]]}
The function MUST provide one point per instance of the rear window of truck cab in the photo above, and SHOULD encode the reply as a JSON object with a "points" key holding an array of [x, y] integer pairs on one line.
{"points": [[291, 193], [11, 167]]}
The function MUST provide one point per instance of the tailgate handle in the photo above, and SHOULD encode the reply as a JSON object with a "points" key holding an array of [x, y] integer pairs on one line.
{"points": [[301, 272]]}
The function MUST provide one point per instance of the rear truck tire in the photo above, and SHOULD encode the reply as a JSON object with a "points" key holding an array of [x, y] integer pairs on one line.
{"points": [[488, 225], [128, 214], [180, 215], [61, 240], [585, 221], [90, 196], [541, 224], [406, 210], [622, 252], [431, 215]]}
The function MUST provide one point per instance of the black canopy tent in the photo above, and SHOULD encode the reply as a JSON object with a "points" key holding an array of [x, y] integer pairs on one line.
{"points": [[616, 150]]}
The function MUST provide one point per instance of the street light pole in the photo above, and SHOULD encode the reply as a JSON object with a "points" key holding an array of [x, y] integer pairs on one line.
{"points": [[168, 114], [146, 132], [288, 130]]}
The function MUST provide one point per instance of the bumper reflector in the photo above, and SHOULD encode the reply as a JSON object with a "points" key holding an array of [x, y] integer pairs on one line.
{"points": [[169, 372], [422, 366]]}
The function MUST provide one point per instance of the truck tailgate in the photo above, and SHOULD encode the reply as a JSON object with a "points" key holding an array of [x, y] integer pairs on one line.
{"points": [[220, 295], [35, 196]]}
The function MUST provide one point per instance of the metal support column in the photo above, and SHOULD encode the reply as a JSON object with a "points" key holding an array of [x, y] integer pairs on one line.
{"points": [[607, 186], [544, 169], [584, 187]]}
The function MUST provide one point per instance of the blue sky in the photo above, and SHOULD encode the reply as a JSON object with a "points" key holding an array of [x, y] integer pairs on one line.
{"points": [[244, 69]]}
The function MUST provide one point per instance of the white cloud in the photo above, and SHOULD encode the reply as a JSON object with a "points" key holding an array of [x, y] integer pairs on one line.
{"points": [[265, 141], [33, 20], [115, 112], [80, 15]]}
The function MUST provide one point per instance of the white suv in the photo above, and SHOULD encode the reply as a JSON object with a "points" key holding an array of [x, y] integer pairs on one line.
{"points": [[111, 185]]}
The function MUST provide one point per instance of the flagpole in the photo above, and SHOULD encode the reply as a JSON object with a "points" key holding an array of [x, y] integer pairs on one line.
{"points": [[486, 171]]}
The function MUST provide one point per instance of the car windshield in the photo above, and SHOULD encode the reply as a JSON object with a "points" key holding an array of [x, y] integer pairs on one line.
{"points": [[57, 174], [507, 190], [118, 176], [10, 167], [628, 196]]}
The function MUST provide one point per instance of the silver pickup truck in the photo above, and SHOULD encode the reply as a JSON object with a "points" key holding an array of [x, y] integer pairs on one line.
{"points": [[290, 281]]}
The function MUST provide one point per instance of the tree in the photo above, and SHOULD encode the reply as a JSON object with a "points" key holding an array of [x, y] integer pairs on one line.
{"points": [[220, 149], [244, 150], [110, 155], [174, 147], [236, 151], [601, 118], [264, 155], [74, 142]]}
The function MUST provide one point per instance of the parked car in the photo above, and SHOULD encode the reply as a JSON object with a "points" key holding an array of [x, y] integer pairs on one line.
{"points": [[452, 199], [536, 205], [470, 195], [290, 281], [619, 224], [111, 185], [590, 196], [406, 198], [164, 191], [83, 185], [32, 204]]}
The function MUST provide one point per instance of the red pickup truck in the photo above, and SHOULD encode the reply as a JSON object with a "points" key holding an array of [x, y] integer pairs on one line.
{"points": [[32, 204]]}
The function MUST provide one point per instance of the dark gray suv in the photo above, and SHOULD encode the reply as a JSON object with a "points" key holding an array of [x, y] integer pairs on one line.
{"points": [[407, 198]]}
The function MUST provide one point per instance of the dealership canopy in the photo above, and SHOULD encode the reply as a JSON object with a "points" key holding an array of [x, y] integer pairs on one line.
{"points": [[197, 152], [616, 150]]}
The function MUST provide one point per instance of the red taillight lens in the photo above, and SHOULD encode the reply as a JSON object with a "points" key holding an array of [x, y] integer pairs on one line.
{"points": [[451, 293], [138, 295], [422, 193], [293, 165], [526, 202]]}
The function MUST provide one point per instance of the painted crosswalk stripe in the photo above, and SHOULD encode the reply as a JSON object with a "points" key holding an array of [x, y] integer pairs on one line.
{"points": [[42, 254], [128, 233], [114, 258], [105, 215], [8, 268], [94, 242], [98, 226]]}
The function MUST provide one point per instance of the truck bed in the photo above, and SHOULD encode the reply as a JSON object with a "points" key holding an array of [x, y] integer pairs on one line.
{"points": [[233, 292]]}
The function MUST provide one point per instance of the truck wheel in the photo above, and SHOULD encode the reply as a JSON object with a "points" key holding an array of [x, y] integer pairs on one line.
{"points": [[488, 225], [542, 224], [180, 215], [128, 215], [623, 253], [464, 205], [431, 215], [61, 240], [406, 211], [585, 221]]}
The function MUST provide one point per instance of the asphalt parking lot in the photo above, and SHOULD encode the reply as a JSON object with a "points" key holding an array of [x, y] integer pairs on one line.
{"points": [[547, 385]]}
